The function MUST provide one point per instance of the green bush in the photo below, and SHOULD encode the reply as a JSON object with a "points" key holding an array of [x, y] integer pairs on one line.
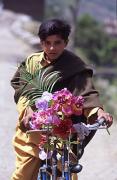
{"points": [[98, 47]]}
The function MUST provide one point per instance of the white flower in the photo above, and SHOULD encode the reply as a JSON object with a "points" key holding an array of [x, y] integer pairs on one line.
{"points": [[47, 96], [42, 154]]}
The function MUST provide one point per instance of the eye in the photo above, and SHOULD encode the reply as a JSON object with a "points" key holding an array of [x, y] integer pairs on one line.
{"points": [[47, 43], [57, 42]]}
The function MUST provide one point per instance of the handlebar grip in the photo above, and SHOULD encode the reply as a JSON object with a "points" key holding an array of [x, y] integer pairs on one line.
{"points": [[101, 121]]}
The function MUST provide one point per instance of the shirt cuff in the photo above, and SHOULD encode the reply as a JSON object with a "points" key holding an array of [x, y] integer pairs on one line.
{"points": [[93, 111]]}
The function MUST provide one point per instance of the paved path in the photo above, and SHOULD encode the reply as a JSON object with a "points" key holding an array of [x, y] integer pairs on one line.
{"points": [[100, 158]]}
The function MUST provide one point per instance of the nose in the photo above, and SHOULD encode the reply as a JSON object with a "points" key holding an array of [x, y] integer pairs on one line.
{"points": [[52, 47]]}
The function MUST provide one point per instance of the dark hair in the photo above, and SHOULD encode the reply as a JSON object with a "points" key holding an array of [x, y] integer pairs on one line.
{"points": [[54, 27]]}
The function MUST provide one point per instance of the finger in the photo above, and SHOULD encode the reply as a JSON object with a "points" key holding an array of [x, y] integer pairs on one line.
{"points": [[109, 119], [26, 121]]}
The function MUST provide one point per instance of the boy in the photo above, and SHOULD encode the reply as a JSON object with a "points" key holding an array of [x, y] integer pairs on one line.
{"points": [[76, 76]]}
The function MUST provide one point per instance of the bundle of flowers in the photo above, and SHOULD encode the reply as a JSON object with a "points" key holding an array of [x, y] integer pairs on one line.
{"points": [[52, 116], [53, 113]]}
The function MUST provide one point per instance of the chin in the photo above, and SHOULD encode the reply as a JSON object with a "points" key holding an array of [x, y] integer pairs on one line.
{"points": [[53, 57]]}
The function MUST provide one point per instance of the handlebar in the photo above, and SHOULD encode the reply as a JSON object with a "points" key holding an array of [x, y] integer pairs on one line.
{"points": [[100, 124]]}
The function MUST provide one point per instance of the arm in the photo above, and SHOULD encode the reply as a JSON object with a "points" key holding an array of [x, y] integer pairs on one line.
{"points": [[82, 84], [17, 83], [24, 110]]}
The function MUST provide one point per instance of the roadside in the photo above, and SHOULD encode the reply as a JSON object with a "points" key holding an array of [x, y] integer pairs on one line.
{"points": [[12, 50], [100, 157]]}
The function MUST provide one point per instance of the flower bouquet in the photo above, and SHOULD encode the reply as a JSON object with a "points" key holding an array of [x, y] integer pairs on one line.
{"points": [[53, 111], [53, 114]]}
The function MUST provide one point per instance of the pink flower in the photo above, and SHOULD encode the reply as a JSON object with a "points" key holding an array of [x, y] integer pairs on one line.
{"points": [[62, 101], [67, 110], [41, 118], [77, 105], [38, 119], [79, 101]]}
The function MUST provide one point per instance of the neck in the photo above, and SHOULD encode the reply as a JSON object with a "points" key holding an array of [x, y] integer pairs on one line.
{"points": [[46, 61]]}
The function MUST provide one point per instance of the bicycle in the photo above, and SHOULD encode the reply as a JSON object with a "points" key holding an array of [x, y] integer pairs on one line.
{"points": [[49, 169]]}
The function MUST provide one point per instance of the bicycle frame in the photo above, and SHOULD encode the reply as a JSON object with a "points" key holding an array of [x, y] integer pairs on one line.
{"points": [[67, 169]]}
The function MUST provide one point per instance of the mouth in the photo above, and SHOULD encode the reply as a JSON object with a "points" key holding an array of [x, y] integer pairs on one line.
{"points": [[52, 53]]}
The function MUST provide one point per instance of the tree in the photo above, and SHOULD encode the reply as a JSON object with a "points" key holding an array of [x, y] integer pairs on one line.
{"points": [[91, 39], [110, 56]]}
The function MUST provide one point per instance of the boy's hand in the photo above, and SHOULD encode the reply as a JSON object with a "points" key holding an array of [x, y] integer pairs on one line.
{"points": [[27, 117], [108, 118]]}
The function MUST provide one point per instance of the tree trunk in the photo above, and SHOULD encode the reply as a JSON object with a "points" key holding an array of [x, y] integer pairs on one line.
{"points": [[74, 9]]}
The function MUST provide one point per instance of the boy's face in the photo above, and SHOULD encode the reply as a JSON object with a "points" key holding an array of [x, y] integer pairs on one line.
{"points": [[53, 46]]}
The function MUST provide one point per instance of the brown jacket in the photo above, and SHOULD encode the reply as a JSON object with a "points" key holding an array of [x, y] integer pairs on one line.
{"points": [[76, 76]]}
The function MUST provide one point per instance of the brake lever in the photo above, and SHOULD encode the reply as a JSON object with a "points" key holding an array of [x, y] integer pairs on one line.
{"points": [[107, 128], [104, 124]]}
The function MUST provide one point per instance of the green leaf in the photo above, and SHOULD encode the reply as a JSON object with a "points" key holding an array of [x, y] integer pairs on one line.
{"points": [[74, 142], [41, 80]]}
